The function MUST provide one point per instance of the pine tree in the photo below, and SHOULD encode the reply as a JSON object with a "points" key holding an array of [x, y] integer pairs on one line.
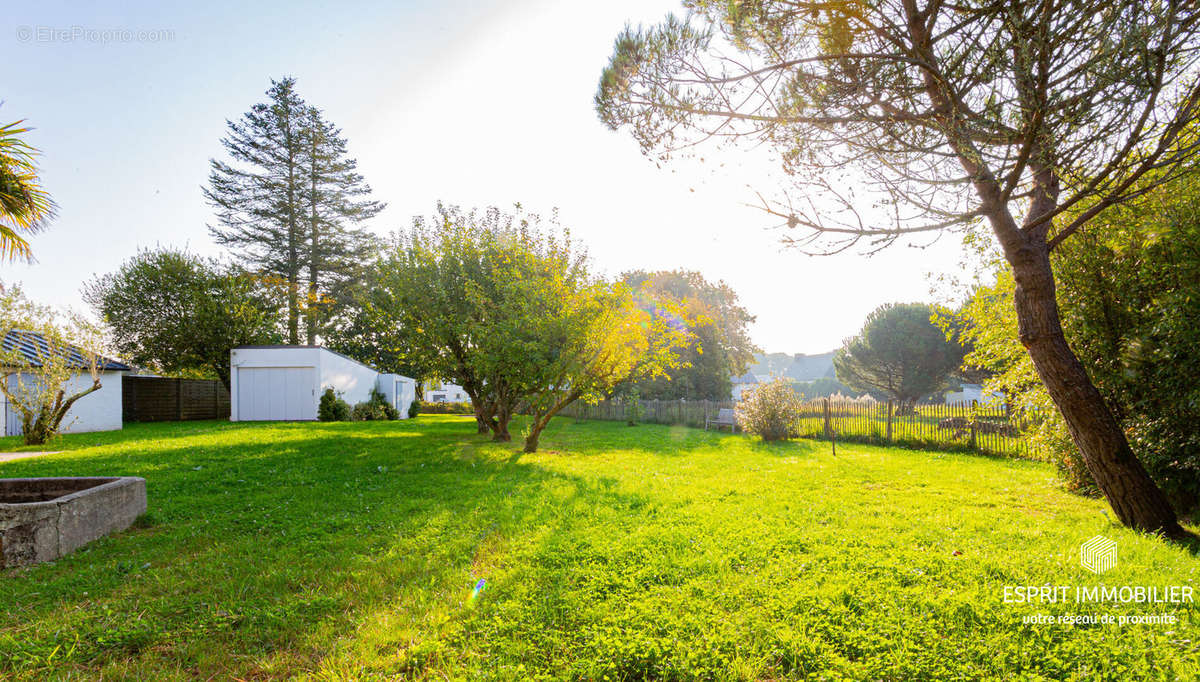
{"points": [[336, 202], [259, 197]]}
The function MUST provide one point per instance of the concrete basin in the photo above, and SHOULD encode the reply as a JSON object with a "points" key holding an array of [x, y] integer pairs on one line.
{"points": [[42, 519]]}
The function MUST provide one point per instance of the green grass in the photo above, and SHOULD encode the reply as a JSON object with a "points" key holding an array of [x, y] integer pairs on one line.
{"points": [[348, 551]]}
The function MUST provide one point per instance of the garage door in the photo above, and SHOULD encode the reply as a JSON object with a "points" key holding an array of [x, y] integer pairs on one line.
{"points": [[276, 394]]}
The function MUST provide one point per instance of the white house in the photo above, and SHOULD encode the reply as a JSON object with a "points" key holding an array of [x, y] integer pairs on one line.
{"points": [[97, 411], [442, 392], [743, 385], [974, 393], [285, 383]]}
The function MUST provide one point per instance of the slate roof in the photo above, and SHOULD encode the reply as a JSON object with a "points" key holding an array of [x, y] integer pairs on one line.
{"points": [[33, 347]]}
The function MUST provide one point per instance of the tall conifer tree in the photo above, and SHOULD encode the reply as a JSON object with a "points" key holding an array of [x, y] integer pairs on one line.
{"points": [[289, 202], [259, 196], [336, 201]]}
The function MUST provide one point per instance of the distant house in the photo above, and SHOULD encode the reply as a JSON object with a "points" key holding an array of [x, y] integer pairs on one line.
{"points": [[744, 384], [98, 411], [442, 392], [795, 366], [974, 393]]}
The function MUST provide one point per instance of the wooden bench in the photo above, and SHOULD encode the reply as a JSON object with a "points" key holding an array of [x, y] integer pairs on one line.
{"points": [[724, 418]]}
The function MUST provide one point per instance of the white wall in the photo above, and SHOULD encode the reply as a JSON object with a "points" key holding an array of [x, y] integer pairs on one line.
{"points": [[971, 392], [401, 390], [97, 411], [353, 380], [442, 392], [740, 390]]}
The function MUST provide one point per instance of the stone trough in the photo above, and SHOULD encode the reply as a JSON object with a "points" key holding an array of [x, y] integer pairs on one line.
{"points": [[42, 519]]}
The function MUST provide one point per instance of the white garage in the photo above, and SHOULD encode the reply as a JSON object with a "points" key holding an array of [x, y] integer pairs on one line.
{"points": [[285, 383]]}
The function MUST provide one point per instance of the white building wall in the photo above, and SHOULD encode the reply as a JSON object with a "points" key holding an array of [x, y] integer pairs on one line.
{"points": [[974, 392], [352, 379], [398, 389], [442, 392], [97, 411], [741, 390]]}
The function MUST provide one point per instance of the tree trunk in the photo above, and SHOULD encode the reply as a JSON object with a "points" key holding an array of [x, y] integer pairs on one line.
{"points": [[1130, 491], [500, 428], [483, 420], [293, 310], [531, 440], [541, 421]]}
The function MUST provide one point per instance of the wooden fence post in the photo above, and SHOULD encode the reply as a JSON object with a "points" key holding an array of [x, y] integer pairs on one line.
{"points": [[828, 426], [179, 399], [889, 421], [971, 421]]}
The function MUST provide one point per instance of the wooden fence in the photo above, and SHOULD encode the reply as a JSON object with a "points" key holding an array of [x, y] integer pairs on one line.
{"points": [[152, 399], [957, 426], [678, 412]]}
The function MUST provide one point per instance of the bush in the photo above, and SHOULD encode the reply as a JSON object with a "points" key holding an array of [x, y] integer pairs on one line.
{"points": [[380, 400], [332, 408], [367, 411], [374, 408], [770, 411], [447, 408], [414, 408]]}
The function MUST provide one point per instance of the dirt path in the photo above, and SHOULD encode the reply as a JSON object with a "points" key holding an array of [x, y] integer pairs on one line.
{"points": [[10, 456]]}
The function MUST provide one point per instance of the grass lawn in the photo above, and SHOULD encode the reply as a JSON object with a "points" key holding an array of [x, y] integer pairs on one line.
{"points": [[345, 551]]}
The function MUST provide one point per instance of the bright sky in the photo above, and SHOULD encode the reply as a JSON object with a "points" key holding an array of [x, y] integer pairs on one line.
{"points": [[474, 103]]}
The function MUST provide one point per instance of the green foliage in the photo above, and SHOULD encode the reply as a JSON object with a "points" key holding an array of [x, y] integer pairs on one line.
{"points": [[825, 387], [415, 408], [25, 206], [380, 402], [175, 312], [596, 339], [288, 200], [331, 407], [505, 308], [447, 408], [1129, 297], [771, 411], [900, 354], [646, 553], [458, 296], [367, 411], [719, 345]]}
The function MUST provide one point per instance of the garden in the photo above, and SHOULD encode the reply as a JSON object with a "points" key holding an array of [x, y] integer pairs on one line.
{"points": [[418, 549]]}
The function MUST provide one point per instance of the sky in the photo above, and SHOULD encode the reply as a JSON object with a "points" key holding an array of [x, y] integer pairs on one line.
{"points": [[472, 103]]}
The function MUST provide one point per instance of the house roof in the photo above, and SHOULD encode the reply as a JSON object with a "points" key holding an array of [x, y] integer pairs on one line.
{"points": [[33, 347]]}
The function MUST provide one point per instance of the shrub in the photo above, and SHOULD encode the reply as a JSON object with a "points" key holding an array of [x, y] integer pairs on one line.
{"points": [[414, 408], [332, 408], [771, 411], [447, 408], [367, 411], [379, 400]]}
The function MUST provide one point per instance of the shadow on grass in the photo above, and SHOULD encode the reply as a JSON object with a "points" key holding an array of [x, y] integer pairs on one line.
{"points": [[260, 535]]}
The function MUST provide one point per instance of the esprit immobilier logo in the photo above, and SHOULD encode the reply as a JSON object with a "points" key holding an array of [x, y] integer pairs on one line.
{"points": [[1098, 554]]}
